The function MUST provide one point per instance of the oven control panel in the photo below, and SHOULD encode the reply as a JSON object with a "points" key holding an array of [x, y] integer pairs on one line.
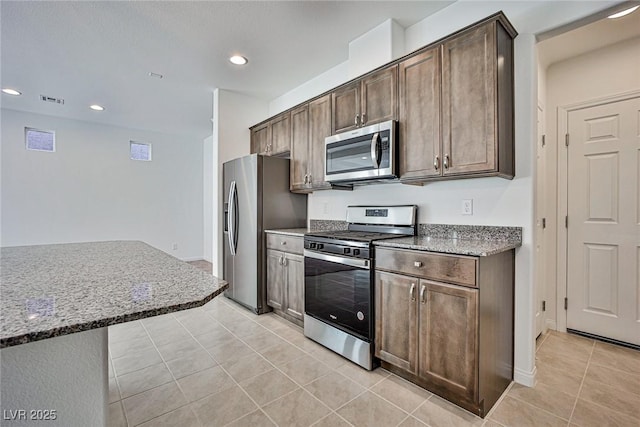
{"points": [[341, 249]]}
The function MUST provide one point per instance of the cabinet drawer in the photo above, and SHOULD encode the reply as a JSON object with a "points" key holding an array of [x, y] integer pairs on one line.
{"points": [[291, 244], [444, 268]]}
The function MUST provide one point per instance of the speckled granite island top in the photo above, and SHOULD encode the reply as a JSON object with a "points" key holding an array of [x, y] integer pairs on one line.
{"points": [[297, 232], [53, 290]]}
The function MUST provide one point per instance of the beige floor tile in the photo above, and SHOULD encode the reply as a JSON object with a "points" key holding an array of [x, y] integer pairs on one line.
{"points": [[370, 410], [246, 367], [305, 369], [296, 409], [268, 386], [625, 381], [362, 376], [334, 389], [116, 415], [161, 337], [610, 397], [617, 357], [588, 414], [411, 422], [114, 393], [215, 338], [201, 325], [230, 350], [203, 383], [570, 366], [144, 379], [190, 364], [166, 322], [289, 332], [263, 339], [572, 338], [491, 423], [153, 403], [514, 412], [121, 348], [281, 354], [306, 344], [245, 328], [222, 408], [558, 379], [183, 417], [136, 360], [126, 331], [438, 412], [401, 392], [254, 419], [567, 348], [328, 357], [545, 397], [332, 420], [178, 349]]}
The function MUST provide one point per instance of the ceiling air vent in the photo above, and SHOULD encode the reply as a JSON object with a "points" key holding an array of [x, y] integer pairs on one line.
{"points": [[46, 98]]}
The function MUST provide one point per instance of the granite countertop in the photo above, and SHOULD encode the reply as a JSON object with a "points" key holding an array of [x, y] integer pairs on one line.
{"points": [[298, 232], [53, 290], [479, 247]]}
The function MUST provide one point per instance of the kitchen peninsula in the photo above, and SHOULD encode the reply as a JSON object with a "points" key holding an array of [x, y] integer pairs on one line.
{"points": [[56, 302]]}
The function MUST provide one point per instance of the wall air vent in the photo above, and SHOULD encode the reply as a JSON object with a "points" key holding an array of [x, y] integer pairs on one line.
{"points": [[46, 98]]}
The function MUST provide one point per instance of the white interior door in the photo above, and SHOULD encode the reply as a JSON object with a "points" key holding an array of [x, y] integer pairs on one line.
{"points": [[603, 235], [540, 214]]}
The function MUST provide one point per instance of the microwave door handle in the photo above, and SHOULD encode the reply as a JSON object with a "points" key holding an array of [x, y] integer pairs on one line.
{"points": [[374, 150]]}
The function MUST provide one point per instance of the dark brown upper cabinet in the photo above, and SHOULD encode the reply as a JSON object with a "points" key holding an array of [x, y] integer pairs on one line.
{"points": [[272, 137], [456, 107], [366, 101]]}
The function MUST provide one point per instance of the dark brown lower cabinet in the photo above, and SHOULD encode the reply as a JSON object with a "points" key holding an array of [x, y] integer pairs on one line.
{"points": [[456, 341], [285, 277]]}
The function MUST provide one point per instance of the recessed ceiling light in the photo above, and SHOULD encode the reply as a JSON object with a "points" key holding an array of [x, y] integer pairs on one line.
{"points": [[96, 107], [623, 13], [10, 91], [238, 60]]}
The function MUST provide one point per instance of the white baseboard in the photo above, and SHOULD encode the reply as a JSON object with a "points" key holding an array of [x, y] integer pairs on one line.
{"points": [[191, 258], [525, 378], [550, 324]]}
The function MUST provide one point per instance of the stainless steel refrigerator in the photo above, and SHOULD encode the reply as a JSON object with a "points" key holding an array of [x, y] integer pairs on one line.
{"points": [[257, 197]]}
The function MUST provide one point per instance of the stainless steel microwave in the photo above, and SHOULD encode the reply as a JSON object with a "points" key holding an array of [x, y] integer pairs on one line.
{"points": [[367, 153]]}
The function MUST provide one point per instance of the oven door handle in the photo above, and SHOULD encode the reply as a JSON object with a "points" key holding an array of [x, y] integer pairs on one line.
{"points": [[353, 262]]}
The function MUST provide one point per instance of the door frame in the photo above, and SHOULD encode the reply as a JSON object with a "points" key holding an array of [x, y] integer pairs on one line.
{"points": [[563, 182]]}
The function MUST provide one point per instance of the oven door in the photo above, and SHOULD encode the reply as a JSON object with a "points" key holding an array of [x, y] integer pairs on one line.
{"points": [[338, 291]]}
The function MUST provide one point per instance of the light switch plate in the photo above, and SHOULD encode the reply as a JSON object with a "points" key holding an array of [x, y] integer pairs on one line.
{"points": [[467, 207]]}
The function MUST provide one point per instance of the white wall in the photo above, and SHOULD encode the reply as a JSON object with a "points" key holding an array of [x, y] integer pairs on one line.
{"points": [[89, 189], [209, 185], [603, 72], [496, 201], [233, 114]]}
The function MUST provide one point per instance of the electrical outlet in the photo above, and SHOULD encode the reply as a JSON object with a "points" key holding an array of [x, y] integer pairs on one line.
{"points": [[467, 207], [174, 246]]}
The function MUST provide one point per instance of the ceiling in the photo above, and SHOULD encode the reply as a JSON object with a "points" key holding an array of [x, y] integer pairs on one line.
{"points": [[601, 33], [101, 52]]}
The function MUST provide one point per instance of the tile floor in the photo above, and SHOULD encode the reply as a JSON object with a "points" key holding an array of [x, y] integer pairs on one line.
{"points": [[221, 365]]}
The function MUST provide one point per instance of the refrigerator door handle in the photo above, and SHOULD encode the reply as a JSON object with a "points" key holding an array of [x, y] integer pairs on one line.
{"points": [[231, 218], [236, 217]]}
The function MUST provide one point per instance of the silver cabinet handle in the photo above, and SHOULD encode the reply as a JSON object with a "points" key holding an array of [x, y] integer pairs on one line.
{"points": [[417, 264], [412, 292], [284, 242], [423, 288], [364, 119], [445, 163], [306, 178], [310, 181], [436, 163], [281, 260], [284, 261], [355, 121]]}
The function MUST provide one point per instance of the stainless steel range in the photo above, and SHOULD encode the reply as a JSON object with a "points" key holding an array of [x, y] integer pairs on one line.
{"points": [[339, 279]]}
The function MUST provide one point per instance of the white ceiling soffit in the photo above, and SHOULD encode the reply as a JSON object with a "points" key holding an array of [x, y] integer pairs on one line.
{"points": [[595, 35], [101, 53]]}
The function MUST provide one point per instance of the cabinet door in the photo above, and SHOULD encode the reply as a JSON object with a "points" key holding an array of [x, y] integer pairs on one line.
{"points": [[346, 106], [281, 134], [319, 129], [469, 102], [260, 139], [448, 334], [396, 320], [299, 148], [275, 279], [294, 270], [420, 116], [380, 97]]}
